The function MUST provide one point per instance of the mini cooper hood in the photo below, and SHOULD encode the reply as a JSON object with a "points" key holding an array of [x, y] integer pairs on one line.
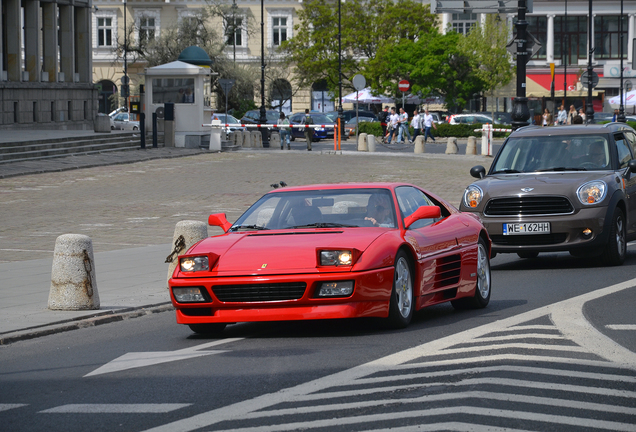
{"points": [[265, 252], [553, 183]]}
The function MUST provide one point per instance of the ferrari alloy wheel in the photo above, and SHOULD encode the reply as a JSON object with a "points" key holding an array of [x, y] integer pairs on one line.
{"points": [[614, 253], [482, 286], [207, 329], [401, 306]]}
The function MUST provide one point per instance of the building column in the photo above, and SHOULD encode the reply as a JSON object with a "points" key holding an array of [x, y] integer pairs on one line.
{"points": [[14, 40], [549, 49], [446, 19], [32, 27], [67, 42], [631, 26], [83, 43], [49, 40]]}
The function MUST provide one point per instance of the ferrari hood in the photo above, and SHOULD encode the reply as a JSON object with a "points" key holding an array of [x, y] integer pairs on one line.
{"points": [[553, 183], [280, 252]]}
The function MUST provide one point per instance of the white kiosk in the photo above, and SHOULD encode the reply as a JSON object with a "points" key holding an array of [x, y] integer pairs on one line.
{"points": [[187, 86]]}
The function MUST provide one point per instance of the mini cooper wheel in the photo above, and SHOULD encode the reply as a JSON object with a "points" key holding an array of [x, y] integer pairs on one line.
{"points": [[482, 286], [401, 306], [614, 253], [207, 329]]}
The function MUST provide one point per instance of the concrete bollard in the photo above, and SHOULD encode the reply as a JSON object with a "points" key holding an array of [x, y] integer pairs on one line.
{"points": [[471, 147], [371, 143], [362, 142], [257, 139], [73, 279], [420, 146], [451, 146], [192, 232], [274, 140], [247, 139]]}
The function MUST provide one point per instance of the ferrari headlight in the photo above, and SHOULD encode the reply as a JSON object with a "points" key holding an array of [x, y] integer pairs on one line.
{"points": [[194, 264], [336, 257], [188, 295], [472, 196], [336, 289], [592, 192]]}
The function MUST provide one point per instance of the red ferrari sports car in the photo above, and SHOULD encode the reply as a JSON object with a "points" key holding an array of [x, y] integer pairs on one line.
{"points": [[334, 251]]}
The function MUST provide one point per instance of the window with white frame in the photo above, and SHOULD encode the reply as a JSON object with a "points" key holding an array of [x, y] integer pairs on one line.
{"points": [[234, 30], [147, 25], [190, 20], [462, 23], [105, 32], [280, 25]]}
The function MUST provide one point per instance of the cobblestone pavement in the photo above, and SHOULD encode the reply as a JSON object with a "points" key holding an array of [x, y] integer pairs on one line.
{"points": [[132, 205]]}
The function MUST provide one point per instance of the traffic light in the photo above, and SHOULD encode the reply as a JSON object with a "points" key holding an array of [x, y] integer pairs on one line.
{"points": [[125, 90]]}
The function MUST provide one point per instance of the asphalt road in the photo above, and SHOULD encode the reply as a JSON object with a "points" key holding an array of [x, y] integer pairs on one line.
{"points": [[554, 350]]}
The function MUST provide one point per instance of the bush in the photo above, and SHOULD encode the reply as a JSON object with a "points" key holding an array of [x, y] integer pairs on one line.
{"points": [[443, 130], [371, 128]]}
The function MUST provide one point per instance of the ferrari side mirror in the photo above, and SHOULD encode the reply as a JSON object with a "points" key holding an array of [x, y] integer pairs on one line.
{"points": [[424, 212], [219, 219]]}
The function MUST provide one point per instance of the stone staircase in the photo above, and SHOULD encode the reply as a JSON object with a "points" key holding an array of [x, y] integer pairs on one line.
{"points": [[20, 151]]}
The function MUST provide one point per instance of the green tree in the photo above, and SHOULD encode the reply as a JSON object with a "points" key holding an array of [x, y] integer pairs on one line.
{"points": [[485, 46]]}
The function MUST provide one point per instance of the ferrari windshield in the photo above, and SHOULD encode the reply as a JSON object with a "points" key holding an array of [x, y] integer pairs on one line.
{"points": [[335, 208], [553, 153]]}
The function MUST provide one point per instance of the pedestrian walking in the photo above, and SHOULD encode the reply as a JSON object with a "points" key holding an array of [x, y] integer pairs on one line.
{"points": [[394, 122], [562, 116], [309, 132], [547, 118], [404, 127], [582, 114], [383, 116], [284, 131], [615, 116], [428, 123], [416, 123], [571, 114]]}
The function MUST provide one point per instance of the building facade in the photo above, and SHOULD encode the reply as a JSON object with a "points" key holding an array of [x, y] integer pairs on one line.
{"points": [[46, 68]]}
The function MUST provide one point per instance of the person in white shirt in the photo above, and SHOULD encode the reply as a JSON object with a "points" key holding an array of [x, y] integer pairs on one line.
{"points": [[394, 122], [428, 122], [562, 116], [404, 126], [416, 123]]}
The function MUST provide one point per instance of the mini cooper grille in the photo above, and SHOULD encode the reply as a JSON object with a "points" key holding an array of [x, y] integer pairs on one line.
{"points": [[528, 206], [528, 240], [448, 270], [260, 292]]}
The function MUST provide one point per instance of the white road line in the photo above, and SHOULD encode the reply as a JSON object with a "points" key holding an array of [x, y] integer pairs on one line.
{"points": [[6, 407], [115, 408], [520, 336], [607, 349], [455, 411], [567, 348], [621, 326], [509, 357], [449, 426]]}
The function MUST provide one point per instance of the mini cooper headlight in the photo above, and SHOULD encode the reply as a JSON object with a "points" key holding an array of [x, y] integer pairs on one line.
{"points": [[194, 264], [592, 192], [472, 196], [336, 257]]}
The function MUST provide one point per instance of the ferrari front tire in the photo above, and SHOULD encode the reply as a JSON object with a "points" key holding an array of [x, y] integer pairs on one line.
{"points": [[207, 329], [481, 298], [401, 305]]}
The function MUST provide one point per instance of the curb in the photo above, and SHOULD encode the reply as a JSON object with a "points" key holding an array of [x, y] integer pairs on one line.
{"points": [[105, 317]]}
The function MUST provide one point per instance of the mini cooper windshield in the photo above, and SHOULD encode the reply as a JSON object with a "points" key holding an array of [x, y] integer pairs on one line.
{"points": [[344, 208], [553, 153]]}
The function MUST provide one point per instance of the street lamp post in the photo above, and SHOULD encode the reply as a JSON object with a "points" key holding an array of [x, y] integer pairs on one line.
{"points": [[125, 84], [589, 110], [520, 112], [340, 114], [564, 52], [263, 119], [621, 109]]}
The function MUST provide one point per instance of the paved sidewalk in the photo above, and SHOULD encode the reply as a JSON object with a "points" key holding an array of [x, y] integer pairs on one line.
{"points": [[126, 210]]}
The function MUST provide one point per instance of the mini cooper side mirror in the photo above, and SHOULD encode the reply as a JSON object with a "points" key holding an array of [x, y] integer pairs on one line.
{"points": [[424, 212], [219, 219], [478, 172], [632, 166]]}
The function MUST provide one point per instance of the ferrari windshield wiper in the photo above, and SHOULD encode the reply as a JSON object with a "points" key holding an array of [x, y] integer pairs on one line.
{"points": [[248, 227], [563, 169], [325, 225], [506, 171]]}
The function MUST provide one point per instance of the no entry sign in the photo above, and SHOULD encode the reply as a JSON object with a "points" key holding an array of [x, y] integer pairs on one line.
{"points": [[404, 86]]}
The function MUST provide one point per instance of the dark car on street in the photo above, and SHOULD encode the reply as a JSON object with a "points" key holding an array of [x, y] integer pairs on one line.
{"points": [[562, 188], [319, 119], [349, 114]]}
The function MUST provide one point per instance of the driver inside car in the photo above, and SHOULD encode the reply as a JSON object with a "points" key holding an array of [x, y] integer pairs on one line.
{"points": [[379, 211]]}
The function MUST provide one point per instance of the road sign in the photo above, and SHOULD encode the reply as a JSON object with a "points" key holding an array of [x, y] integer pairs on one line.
{"points": [[584, 79], [532, 46], [359, 82], [125, 80], [404, 86], [226, 85]]}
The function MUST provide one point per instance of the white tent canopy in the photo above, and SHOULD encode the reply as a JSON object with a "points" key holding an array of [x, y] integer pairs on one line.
{"points": [[365, 96], [629, 99]]}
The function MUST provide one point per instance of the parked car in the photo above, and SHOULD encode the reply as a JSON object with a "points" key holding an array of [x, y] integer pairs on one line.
{"points": [[253, 117], [469, 119], [562, 188], [318, 119], [123, 121], [228, 119], [334, 251], [503, 118], [349, 114], [350, 126]]}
